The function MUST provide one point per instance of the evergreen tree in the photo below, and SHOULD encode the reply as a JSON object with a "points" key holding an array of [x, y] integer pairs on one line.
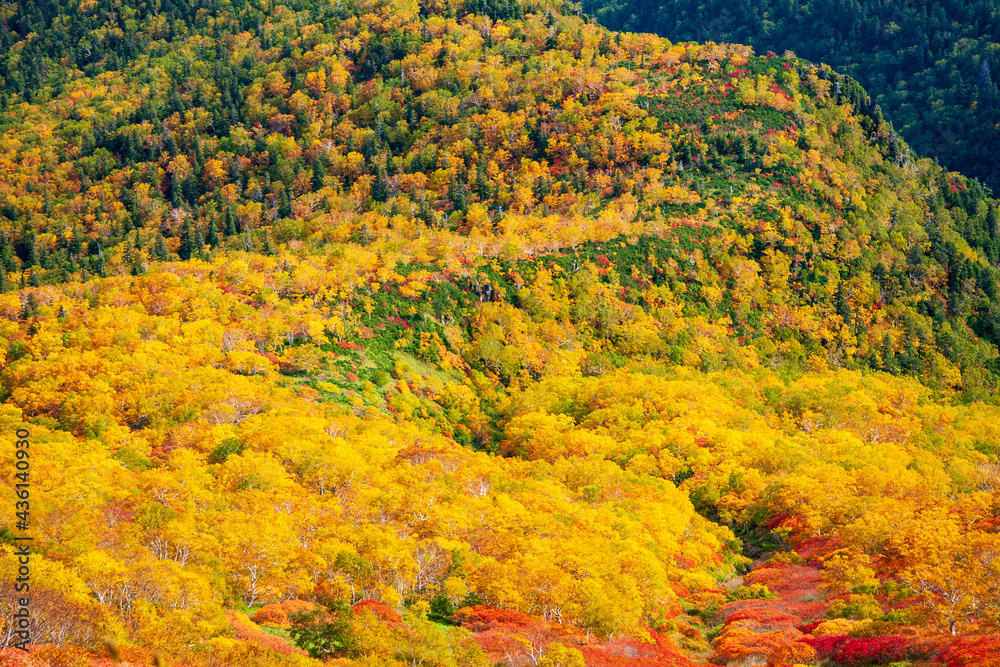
{"points": [[319, 172], [30, 248], [380, 189], [199, 242], [175, 193], [213, 234], [284, 204], [160, 250], [7, 257], [76, 245], [97, 258], [186, 248]]}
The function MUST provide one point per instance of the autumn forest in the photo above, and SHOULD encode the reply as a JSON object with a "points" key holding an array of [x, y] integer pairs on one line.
{"points": [[473, 333]]}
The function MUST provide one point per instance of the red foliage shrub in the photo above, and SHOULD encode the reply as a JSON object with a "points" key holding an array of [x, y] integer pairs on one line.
{"points": [[679, 590], [799, 611], [507, 641], [737, 643], [772, 630], [786, 581], [685, 562], [245, 629], [277, 614], [808, 627], [482, 618], [764, 619], [18, 658], [294, 606], [877, 650], [380, 609], [826, 645], [973, 652], [667, 643], [270, 613], [817, 547], [797, 588], [745, 606], [66, 655], [633, 653]]}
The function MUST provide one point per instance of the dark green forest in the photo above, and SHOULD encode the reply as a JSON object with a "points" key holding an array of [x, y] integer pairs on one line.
{"points": [[933, 67]]}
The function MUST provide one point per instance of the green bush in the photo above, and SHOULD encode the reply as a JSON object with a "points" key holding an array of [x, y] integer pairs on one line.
{"points": [[751, 592], [229, 447], [858, 608], [325, 632]]}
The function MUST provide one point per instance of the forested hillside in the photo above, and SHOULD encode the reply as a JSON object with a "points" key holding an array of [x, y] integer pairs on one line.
{"points": [[474, 333], [933, 67]]}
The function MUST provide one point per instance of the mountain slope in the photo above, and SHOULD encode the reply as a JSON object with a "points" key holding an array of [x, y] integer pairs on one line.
{"points": [[502, 320], [931, 66], [271, 144]]}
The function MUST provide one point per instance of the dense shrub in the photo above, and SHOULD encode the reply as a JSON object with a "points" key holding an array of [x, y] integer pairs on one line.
{"points": [[751, 592], [874, 651], [325, 632], [836, 626], [482, 618], [973, 652], [869, 629], [277, 614], [826, 645], [858, 608]]}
